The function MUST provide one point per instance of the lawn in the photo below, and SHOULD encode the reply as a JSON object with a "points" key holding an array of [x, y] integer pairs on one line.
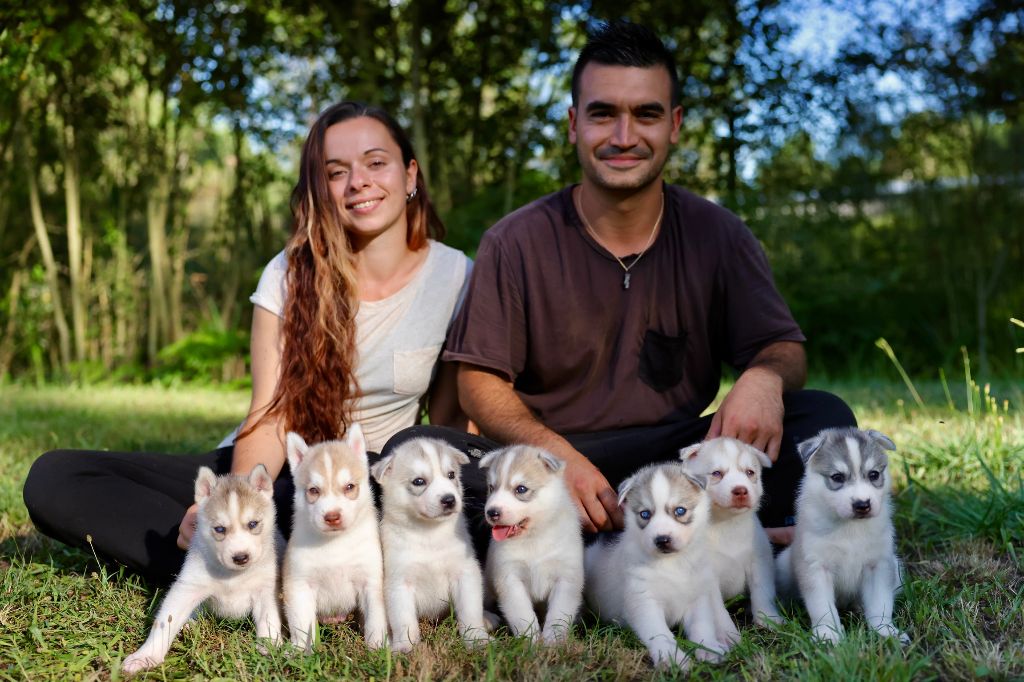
{"points": [[960, 524]]}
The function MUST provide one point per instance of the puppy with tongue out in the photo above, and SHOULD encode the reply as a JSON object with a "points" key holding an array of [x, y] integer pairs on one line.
{"points": [[536, 553]]}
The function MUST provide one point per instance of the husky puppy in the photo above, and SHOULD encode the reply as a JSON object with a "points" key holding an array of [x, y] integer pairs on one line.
{"points": [[231, 564], [333, 563], [843, 548], [536, 552], [740, 553], [655, 574], [428, 555]]}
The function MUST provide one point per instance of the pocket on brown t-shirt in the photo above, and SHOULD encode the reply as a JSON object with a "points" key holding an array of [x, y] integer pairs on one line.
{"points": [[662, 359]]}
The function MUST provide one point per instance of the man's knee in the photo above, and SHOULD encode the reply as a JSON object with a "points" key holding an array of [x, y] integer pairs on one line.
{"points": [[810, 410], [47, 476]]}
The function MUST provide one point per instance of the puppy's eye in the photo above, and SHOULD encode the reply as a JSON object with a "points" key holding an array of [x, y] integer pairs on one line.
{"points": [[418, 482], [313, 490], [645, 514], [838, 477], [220, 530], [874, 475], [253, 525], [521, 490], [451, 475], [679, 511], [350, 487], [716, 474], [750, 473]]}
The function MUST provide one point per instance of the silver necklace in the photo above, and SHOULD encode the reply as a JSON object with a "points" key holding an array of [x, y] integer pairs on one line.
{"points": [[622, 264]]}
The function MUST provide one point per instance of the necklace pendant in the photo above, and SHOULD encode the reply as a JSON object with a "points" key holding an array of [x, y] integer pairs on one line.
{"points": [[625, 281]]}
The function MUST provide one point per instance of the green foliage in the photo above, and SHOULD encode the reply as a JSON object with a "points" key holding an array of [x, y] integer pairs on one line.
{"points": [[209, 354]]}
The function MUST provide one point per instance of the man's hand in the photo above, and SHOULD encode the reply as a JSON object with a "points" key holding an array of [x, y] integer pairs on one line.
{"points": [[187, 527], [752, 411], [597, 503]]}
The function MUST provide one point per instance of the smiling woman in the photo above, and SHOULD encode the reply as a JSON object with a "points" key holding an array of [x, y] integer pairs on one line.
{"points": [[348, 328]]}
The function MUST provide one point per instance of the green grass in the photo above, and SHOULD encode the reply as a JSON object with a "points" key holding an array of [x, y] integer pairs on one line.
{"points": [[960, 523]]}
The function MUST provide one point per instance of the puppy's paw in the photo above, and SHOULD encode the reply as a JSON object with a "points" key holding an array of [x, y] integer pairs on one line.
{"points": [[827, 634], [138, 662], [376, 640], [727, 638], [402, 646], [555, 636], [710, 652], [673, 657], [890, 630], [476, 638], [767, 619], [491, 620]]}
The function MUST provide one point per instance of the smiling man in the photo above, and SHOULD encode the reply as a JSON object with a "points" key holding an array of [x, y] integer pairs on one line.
{"points": [[598, 318]]}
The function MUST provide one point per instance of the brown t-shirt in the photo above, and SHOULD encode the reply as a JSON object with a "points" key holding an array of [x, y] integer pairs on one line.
{"points": [[546, 308]]}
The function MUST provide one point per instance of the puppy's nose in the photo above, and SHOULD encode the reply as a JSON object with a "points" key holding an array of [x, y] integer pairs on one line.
{"points": [[739, 491], [333, 519], [862, 507], [448, 501], [663, 543], [494, 513], [240, 559]]}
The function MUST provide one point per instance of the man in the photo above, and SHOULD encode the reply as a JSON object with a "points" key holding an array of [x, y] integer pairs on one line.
{"points": [[598, 317]]}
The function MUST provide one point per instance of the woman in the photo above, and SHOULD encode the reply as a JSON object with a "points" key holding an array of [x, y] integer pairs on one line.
{"points": [[348, 327]]}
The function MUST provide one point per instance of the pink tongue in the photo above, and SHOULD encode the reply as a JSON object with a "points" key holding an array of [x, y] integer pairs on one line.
{"points": [[500, 533]]}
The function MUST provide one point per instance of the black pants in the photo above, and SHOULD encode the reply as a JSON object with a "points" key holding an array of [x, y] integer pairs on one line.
{"points": [[129, 505], [621, 452]]}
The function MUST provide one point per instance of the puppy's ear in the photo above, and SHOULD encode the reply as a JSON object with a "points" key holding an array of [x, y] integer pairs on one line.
{"points": [[883, 440], [355, 439], [206, 481], [382, 468], [296, 448], [625, 487], [699, 481], [550, 461], [460, 457], [690, 451], [764, 459], [260, 479], [488, 459], [808, 447]]}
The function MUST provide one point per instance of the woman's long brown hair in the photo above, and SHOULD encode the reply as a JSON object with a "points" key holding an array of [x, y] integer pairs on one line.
{"points": [[317, 385]]}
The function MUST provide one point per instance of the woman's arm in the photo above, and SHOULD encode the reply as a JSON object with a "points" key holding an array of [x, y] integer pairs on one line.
{"points": [[265, 445]]}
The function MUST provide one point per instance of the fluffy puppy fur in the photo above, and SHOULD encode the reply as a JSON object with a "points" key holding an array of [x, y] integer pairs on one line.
{"points": [[536, 551], [844, 550], [428, 556], [655, 574], [739, 550], [231, 564], [333, 564]]}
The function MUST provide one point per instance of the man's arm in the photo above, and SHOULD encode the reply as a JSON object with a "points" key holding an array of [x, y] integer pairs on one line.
{"points": [[492, 403], [752, 411]]}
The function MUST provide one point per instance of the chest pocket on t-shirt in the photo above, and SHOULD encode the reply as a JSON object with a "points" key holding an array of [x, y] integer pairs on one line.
{"points": [[413, 369], [662, 359]]}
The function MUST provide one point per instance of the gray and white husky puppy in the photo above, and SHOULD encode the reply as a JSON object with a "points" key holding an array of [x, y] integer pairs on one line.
{"points": [[739, 549], [428, 555], [231, 564], [333, 564], [655, 574], [536, 551], [844, 549]]}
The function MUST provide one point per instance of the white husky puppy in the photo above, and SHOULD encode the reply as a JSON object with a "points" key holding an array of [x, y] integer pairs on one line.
{"points": [[656, 575], [843, 548], [333, 564], [740, 552], [536, 553], [428, 556], [231, 564]]}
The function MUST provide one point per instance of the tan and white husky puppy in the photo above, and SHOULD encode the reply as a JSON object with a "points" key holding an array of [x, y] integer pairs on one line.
{"points": [[428, 556], [740, 552], [844, 547], [655, 574], [536, 552], [231, 564], [333, 564]]}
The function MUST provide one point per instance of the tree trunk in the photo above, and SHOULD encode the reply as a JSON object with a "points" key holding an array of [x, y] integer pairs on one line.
{"points": [[49, 262], [73, 205], [7, 345], [419, 128]]}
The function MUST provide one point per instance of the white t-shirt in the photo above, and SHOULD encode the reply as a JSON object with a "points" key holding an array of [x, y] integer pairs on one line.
{"points": [[398, 339]]}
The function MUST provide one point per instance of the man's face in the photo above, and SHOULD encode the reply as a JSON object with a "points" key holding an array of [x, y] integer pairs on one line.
{"points": [[623, 124]]}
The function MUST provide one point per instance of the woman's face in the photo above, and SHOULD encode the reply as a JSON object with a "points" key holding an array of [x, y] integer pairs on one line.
{"points": [[368, 180]]}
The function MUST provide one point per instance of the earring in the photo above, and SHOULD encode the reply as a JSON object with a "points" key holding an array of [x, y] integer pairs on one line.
{"points": [[411, 195]]}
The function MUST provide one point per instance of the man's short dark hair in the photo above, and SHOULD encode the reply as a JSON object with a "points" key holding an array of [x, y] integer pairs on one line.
{"points": [[623, 43]]}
